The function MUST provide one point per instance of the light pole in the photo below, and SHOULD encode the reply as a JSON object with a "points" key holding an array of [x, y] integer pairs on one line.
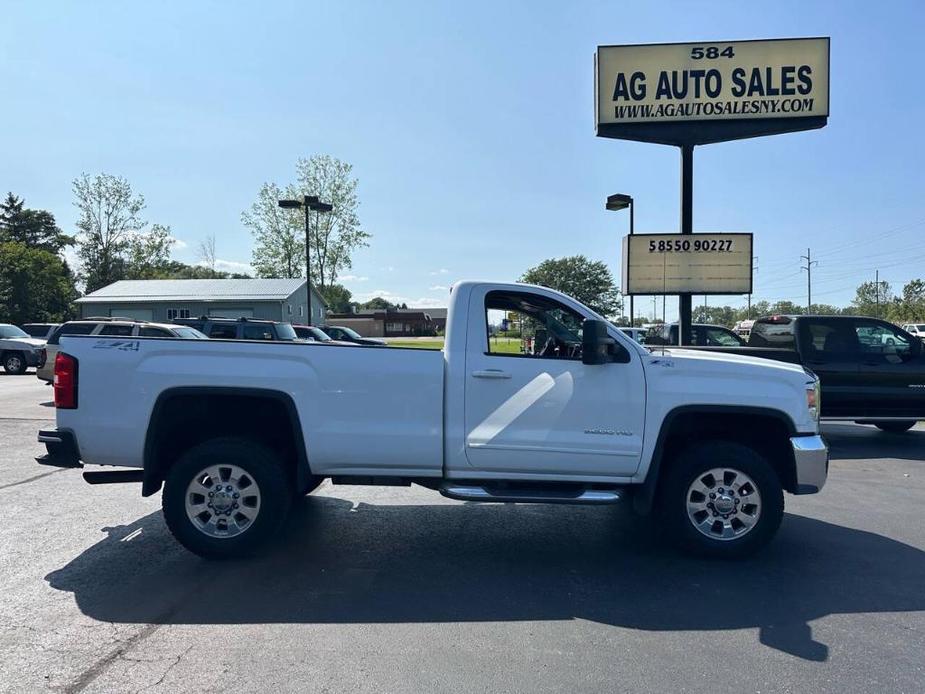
{"points": [[308, 202], [615, 203]]}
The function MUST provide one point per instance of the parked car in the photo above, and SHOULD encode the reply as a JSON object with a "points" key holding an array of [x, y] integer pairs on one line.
{"points": [[241, 328], [917, 329], [871, 371], [311, 333], [120, 327], [40, 331], [344, 334], [702, 335], [638, 334], [233, 431], [18, 351]]}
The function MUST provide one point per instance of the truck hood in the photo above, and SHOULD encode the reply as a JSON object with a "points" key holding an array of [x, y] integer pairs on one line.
{"points": [[710, 361], [29, 342]]}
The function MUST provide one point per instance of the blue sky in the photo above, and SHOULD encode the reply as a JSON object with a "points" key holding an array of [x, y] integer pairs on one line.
{"points": [[470, 128]]}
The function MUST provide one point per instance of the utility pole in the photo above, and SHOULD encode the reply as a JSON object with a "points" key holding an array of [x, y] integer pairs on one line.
{"points": [[809, 278], [877, 283]]}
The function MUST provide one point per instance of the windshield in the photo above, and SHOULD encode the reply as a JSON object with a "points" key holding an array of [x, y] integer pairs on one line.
{"points": [[189, 334], [12, 331], [319, 335], [351, 332], [285, 332]]}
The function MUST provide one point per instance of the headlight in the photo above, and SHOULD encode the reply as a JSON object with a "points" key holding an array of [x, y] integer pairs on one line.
{"points": [[814, 399]]}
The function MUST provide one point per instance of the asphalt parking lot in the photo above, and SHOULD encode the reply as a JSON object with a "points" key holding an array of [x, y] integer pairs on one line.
{"points": [[398, 590]]}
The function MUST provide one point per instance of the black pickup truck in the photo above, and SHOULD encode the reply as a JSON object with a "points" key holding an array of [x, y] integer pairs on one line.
{"points": [[871, 371]]}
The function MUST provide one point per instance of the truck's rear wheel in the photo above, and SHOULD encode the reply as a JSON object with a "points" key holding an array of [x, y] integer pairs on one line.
{"points": [[721, 499], [895, 427], [226, 497]]}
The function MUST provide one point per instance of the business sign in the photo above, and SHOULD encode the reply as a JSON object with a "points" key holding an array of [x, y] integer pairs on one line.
{"points": [[684, 83], [718, 263]]}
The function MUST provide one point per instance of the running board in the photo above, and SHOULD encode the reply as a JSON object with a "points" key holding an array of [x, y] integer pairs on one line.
{"points": [[526, 495]]}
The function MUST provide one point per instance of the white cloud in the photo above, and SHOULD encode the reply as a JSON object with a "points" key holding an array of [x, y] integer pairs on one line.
{"points": [[230, 266], [438, 288], [388, 268], [421, 302], [441, 271], [179, 244], [353, 278]]}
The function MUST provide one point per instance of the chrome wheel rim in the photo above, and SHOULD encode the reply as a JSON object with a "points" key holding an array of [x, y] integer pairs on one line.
{"points": [[222, 501], [723, 504], [13, 363]]}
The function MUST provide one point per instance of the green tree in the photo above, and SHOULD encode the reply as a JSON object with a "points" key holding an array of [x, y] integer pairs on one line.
{"points": [[35, 285], [148, 254], [337, 297], [912, 306], [590, 282], [279, 234], [377, 303], [872, 299], [32, 228], [108, 217]]}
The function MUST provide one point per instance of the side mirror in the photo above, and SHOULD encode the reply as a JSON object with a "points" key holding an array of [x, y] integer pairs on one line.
{"points": [[596, 344]]}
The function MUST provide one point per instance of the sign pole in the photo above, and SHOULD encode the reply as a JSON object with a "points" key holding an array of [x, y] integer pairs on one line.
{"points": [[632, 322], [687, 227]]}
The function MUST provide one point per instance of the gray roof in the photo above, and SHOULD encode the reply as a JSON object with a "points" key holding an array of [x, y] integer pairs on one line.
{"points": [[195, 290]]}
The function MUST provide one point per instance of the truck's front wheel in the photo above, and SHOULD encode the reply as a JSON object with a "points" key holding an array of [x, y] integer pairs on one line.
{"points": [[721, 499], [225, 497]]}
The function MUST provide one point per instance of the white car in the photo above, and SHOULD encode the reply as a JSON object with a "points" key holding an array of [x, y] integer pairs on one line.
{"points": [[18, 351], [917, 329], [232, 431]]}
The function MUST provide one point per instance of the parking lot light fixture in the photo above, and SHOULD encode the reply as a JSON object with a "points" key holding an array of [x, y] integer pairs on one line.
{"points": [[308, 202]]}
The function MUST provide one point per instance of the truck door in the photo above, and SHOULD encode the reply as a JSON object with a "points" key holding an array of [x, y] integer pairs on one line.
{"points": [[829, 346], [546, 413], [892, 370]]}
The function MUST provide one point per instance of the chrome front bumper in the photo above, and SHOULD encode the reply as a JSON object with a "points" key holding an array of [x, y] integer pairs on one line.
{"points": [[811, 461]]}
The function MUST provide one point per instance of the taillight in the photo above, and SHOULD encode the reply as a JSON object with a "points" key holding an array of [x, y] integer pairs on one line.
{"points": [[43, 356], [65, 383]]}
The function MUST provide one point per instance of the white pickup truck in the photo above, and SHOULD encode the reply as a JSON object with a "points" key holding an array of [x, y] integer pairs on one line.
{"points": [[233, 430]]}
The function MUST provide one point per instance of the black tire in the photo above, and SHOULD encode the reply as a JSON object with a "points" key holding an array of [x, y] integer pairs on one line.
{"points": [[14, 363], [699, 460], [895, 427], [258, 462]]}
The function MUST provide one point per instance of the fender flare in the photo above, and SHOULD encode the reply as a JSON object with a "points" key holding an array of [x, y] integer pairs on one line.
{"points": [[154, 470], [644, 495]]}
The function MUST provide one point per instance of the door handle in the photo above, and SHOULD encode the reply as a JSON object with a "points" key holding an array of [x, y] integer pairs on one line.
{"points": [[491, 373]]}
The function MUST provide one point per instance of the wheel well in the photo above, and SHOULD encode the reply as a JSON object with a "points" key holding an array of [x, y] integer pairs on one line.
{"points": [[766, 433], [183, 419]]}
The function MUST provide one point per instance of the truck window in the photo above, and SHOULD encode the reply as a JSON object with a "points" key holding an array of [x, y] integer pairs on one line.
{"points": [[223, 331], [71, 329], [827, 340], [715, 337], [882, 342], [773, 332], [531, 325], [154, 332]]}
